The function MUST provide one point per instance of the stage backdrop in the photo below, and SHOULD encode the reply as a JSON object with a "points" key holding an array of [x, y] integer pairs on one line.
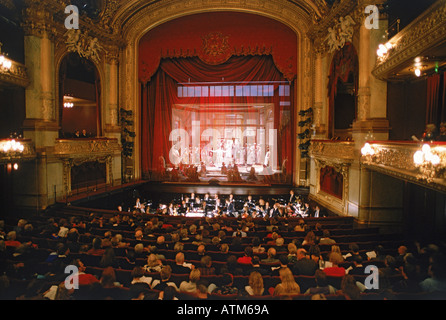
{"points": [[217, 99]]}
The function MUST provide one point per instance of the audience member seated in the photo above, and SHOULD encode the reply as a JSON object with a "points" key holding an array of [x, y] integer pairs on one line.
{"points": [[335, 270], [304, 265], [288, 285], [322, 285]]}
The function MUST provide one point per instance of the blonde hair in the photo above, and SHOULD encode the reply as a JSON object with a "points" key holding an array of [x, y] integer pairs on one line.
{"points": [[195, 275], [256, 283], [288, 285], [152, 260]]}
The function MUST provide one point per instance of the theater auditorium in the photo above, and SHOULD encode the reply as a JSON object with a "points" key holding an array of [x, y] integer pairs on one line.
{"points": [[239, 151]]}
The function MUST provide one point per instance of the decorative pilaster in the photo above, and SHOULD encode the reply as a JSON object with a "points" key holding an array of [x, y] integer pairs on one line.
{"points": [[39, 28]]}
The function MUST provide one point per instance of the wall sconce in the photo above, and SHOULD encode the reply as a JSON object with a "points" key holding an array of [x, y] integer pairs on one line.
{"points": [[384, 49], [429, 162], [5, 63], [68, 105], [367, 150]]}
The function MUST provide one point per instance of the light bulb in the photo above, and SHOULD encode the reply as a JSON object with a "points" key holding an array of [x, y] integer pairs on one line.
{"points": [[418, 72], [418, 157]]}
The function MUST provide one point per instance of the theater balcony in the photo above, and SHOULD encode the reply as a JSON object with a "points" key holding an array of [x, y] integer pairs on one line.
{"points": [[87, 162], [419, 48], [13, 73], [16, 150], [415, 162]]}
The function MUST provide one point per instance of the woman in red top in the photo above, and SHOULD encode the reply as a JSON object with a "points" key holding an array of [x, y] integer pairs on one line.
{"points": [[335, 270]]}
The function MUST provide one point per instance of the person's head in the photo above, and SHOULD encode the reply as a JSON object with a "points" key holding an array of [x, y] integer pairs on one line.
{"points": [[108, 277], [202, 288], [256, 283], [97, 243], [336, 258], [165, 273], [201, 249], [206, 262], [283, 258], [160, 240], [138, 234], [152, 260], [271, 252], [314, 251], [292, 248], [301, 253], [279, 242], [179, 258], [354, 248], [321, 278], [194, 275], [139, 248], [326, 233], [169, 293], [255, 261], [402, 250], [12, 236], [137, 272], [349, 288]]}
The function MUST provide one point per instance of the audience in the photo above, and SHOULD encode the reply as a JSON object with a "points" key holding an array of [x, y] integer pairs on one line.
{"points": [[150, 249]]}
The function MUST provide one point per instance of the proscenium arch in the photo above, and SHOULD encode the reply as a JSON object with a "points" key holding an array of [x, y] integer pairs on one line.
{"points": [[149, 17]]}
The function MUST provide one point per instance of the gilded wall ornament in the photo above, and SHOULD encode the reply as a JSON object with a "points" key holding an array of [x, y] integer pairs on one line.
{"points": [[86, 46]]}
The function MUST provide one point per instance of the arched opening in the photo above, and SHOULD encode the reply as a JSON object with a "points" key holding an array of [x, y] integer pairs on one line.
{"points": [[343, 88], [79, 98], [224, 99]]}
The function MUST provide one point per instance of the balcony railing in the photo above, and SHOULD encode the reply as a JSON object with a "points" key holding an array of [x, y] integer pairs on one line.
{"points": [[86, 148], [417, 162], [16, 150]]}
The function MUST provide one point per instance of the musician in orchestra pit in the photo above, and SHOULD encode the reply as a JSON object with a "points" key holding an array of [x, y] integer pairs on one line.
{"points": [[171, 210], [230, 209], [275, 212], [293, 197], [306, 210], [206, 198], [138, 203], [267, 210], [184, 208], [317, 212]]}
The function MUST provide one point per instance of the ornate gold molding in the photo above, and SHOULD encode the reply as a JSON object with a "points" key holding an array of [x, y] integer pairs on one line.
{"points": [[89, 149], [397, 160], [28, 153], [340, 156], [16, 75], [426, 32], [38, 19], [334, 152]]}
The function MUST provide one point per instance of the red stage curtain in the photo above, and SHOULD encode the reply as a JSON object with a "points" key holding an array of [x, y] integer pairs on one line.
{"points": [[215, 37], [433, 96], [344, 63], [161, 94]]}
